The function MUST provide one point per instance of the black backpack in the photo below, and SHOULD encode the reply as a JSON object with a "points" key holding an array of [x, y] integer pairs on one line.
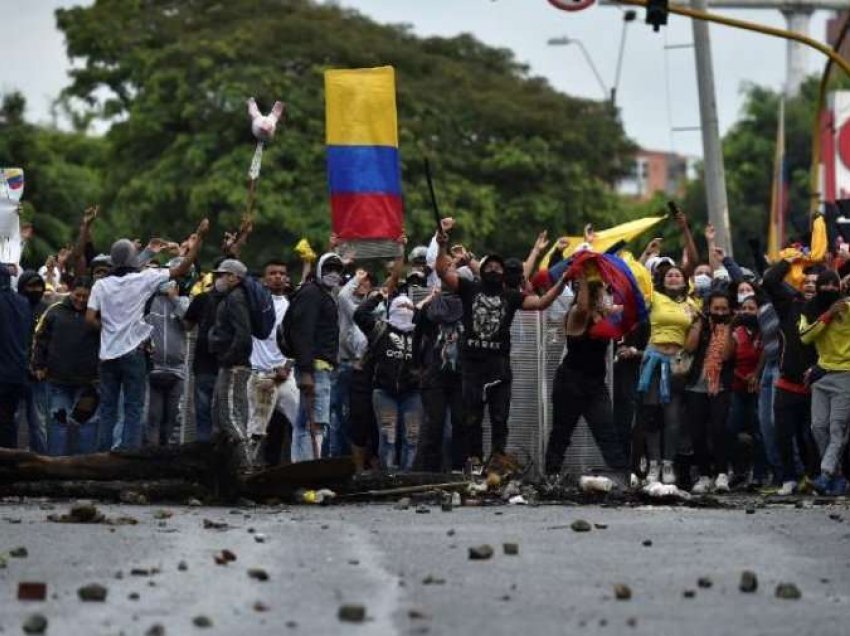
{"points": [[260, 308]]}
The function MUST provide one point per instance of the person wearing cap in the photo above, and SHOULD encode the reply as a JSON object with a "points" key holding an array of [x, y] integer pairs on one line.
{"points": [[488, 312], [314, 336], [230, 341], [116, 307]]}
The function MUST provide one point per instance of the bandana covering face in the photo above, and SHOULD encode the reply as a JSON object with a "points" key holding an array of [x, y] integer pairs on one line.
{"points": [[401, 314]]}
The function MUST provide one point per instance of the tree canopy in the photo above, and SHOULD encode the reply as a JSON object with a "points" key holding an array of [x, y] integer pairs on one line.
{"points": [[512, 156]]}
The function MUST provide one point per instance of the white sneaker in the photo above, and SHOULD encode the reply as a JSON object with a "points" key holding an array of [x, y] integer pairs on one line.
{"points": [[721, 484], [668, 475], [652, 473], [702, 486], [788, 488]]}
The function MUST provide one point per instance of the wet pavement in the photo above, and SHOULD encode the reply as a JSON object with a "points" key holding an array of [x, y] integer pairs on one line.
{"points": [[289, 570]]}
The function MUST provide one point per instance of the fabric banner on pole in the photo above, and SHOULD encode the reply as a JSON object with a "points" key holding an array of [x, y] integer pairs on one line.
{"points": [[11, 190], [364, 174]]}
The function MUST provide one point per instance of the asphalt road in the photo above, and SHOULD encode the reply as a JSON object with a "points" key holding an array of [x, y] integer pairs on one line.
{"points": [[317, 558]]}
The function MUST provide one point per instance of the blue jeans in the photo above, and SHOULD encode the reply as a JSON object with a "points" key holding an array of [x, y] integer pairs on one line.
{"points": [[66, 435], [302, 445], [768, 427], [33, 411], [204, 388], [399, 420], [127, 373], [337, 441]]}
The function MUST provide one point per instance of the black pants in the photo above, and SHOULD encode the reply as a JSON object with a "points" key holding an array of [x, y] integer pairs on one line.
{"points": [[442, 395], [10, 396], [364, 429], [626, 374], [575, 395], [485, 381], [792, 416], [707, 416]]}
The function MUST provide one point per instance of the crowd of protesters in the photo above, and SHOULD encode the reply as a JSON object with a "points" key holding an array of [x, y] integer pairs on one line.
{"points": [[733, 378]]}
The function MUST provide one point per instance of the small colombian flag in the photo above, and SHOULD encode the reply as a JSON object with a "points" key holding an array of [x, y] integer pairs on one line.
{"points": [[364, 174]]}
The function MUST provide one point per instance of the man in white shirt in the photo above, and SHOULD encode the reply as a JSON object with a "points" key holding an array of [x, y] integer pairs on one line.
{"points": [[271, 386], [116, 307]]}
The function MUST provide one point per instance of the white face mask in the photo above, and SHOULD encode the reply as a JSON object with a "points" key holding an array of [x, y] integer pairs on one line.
{"points": [[742, 296], [702, 283], [401, 318], [221, 285], [332, 279]]}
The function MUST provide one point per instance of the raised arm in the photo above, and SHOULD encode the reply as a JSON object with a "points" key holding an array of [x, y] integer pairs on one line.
{"points": [[540, 303], [195, 242], [690, 246], [538, 247], [448, 276]]}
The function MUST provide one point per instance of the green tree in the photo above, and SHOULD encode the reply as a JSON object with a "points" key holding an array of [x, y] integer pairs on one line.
{"points": [[512, 156]]}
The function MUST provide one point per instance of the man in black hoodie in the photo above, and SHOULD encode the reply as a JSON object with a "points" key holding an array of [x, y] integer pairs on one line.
{"points": [[314, 336], [34, 408], [15, 329], [65, 355]]}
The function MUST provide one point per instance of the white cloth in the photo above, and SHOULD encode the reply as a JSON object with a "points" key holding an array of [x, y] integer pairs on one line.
{"points": [[265, 354], [121, 303]]}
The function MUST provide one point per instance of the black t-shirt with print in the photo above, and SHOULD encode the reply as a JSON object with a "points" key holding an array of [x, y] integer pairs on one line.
{"points": [[487, 320]]}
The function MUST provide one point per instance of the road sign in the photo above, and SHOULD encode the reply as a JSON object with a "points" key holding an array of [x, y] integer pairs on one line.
{"points": [[571, 5]]}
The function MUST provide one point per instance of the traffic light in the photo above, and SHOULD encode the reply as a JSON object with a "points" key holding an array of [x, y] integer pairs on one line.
{"points": [[656, 13]]}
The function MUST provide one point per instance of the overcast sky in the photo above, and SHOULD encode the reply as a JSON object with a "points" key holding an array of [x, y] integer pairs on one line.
{"points": [[657, 91]]}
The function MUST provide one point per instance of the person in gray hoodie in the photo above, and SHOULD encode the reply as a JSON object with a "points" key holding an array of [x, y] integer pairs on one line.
{"points": [[167, 376]]}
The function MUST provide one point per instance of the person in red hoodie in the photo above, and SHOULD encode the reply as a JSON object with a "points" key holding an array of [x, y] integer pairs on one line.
{"points": [[743, 417]]}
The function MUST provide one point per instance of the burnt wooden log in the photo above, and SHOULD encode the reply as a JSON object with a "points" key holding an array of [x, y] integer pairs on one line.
{"points": [[165, 490]]}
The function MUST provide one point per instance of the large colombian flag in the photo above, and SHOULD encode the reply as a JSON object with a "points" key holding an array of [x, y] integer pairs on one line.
{"points": [[363, 161]]}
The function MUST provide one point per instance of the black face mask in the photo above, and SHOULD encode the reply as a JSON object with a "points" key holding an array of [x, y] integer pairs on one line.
{"points": [[33, 296], [720, 319], [749, 321], [513, 279], [827, 298], [492, 281]]}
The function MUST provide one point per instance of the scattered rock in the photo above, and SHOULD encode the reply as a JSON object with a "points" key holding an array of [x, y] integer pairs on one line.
{"points": [[85, 512], [417, 615], [202, 621], [259, 606], [133, 596], [631, 621], [480, 553], [260, 537], [580, 525], [162, 514], [140, 572], [788, 591], [622, 592], [600, 526], [511, 549], [31, 591], [422, 510], [647, 543], [92, 592], [19, 552], [258, 574], [35, 624], [156, 629], [751, 511], [12, 519], [353, 562], [689, 593], [705, 582], [291, 624], [835, 517], [209, 524], [749, 581], [433, 580], [352, 613], [182, 566], [450, 532]]}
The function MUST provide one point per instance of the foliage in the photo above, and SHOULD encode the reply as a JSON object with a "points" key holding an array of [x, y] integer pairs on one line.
{"points": [[512, 156]]}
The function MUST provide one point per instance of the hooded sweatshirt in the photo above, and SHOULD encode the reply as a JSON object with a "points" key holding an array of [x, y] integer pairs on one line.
{"points": [[165, 315], [390, 349], [313, 319], [15, 331]]}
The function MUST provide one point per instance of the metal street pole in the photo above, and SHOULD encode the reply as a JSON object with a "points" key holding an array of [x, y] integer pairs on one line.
{"points": [[565, 41], [715, 177], [628, 16]]}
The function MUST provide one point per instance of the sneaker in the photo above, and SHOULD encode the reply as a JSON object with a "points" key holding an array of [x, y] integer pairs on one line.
{"points": [[668, 475], [652, 473], [822, 484], [721, 483], [788, 488], [702, 486], [806, 486], [839, 487]]}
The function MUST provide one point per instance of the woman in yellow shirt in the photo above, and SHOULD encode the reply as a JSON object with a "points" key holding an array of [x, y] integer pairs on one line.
{"points": [[671, 313]]}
